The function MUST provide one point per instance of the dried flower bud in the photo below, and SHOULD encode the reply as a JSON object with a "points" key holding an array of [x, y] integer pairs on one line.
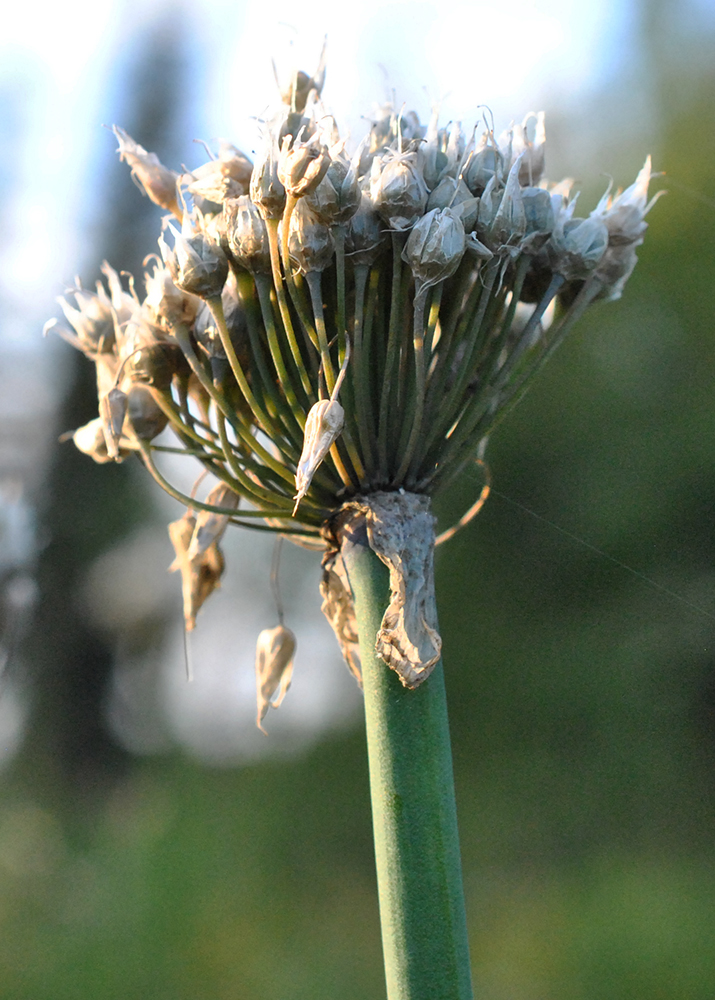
{"points": [[155, 365], [146, 418], [150, 174], [539, 218], [323, 425], [267, 191], [365, 236], [199, 576], [275, 650], [228, 176], [302, 165], [532, 153], [113, 410], [577, 246], [337, 198], [167, 303], [397, 189], [509, 224], [310, 243], [484, 163], [247, 235], [623, 218], [435, 246], [210, 526], [196, 264], [92, 322]]}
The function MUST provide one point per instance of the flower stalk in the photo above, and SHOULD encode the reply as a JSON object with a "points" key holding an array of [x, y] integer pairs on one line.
{"points": [[424, 930]]}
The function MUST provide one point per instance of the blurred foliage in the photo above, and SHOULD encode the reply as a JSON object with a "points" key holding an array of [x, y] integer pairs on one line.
{"points": [[582, 703]]}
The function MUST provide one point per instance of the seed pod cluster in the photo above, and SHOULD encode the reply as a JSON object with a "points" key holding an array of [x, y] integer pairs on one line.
{"points": [[323, 326]]}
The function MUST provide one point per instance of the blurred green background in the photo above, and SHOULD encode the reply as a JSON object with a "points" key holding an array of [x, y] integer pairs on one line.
{"points": [[582, 696]]}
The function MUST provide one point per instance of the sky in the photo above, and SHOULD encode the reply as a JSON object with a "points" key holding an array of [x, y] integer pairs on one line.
{"points": [[59, 74]]}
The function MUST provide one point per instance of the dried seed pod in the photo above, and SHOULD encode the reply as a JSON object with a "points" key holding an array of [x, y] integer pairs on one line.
{"points": [[150, 174], [156, 364], [90, 440], [322, 427], [112, 411], [275, 649], [146, 418], [397, 189], [365, 236], [435, 246], [199, 576], [167, 303], [267, 191], [228, 176], [197, 265], [310, 243], [247, 235], [210, 526], [337, 198], [302, 165]]}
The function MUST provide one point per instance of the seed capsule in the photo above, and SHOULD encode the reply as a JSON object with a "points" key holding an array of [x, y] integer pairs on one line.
{"points": [[275, 649], [323, 425]]}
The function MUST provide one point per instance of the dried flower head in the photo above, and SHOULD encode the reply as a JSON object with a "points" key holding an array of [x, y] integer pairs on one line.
{"points": [[425, 278]]}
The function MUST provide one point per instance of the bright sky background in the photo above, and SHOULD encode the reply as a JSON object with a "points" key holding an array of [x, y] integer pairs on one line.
{"points": [[60, 71]]}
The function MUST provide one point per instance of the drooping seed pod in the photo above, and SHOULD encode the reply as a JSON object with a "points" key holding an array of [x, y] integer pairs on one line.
{"points": [[210, 525], [275, 650], [112, 411], [199, 576]]}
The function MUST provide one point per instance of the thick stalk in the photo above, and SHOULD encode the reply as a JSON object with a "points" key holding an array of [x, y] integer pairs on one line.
{"points": [[424, 931]]}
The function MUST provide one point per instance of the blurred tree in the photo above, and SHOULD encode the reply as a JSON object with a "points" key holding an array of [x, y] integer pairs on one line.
{"points": [[84, 508]]}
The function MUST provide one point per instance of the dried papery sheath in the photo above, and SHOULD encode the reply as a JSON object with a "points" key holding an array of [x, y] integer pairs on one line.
{"points": [[201, 575], [275, 649], [400, 530], [210, 526], [322, 427]]}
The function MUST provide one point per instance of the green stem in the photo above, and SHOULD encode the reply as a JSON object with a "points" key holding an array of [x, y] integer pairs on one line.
{"points": [[424, 931]]}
